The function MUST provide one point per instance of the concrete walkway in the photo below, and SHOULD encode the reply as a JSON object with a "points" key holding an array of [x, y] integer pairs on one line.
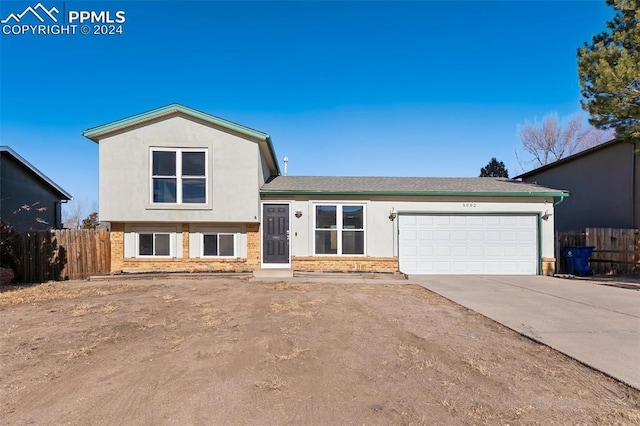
{"points": [[596, 324]]}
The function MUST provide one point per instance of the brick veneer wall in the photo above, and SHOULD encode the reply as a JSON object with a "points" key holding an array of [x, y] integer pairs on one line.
{"points": [[548, 266], [345, 264], [120, 263], [253, 245]]}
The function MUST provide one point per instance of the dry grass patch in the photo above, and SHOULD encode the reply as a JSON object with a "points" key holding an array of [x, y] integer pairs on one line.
{"points": [[85, 350], [297, 351], [174, 340], [55, 291], [275, 383], [88, 308], [477, 366], [209, 321], [166, 323], [412, 356], [292, 305], [290, 286]]}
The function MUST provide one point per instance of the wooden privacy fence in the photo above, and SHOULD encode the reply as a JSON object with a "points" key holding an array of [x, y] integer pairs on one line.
{"points": [[61, 254], [617, 251]]}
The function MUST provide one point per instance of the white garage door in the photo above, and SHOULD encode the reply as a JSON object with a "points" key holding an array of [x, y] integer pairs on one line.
{"points": [[492, 245]]}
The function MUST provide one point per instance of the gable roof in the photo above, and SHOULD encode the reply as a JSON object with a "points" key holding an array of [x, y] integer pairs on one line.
{"points": [[412, 186], [266, 146], [63, 194], [575, 156]]}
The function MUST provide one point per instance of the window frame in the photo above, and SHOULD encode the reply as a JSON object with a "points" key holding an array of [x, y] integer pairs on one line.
{"points": [[179, 177], [218, 256], [153, 234], [340, 228]]}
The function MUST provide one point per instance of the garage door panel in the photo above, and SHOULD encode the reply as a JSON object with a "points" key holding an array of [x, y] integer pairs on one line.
{"points": [[459, 251], [468, 244], [425, 251], [458, 220], [475, 251], [425, 235], [509, 235], [492, 221], [442, 251], [476, 235], [442, 235], [423, 220], [441, 220]]}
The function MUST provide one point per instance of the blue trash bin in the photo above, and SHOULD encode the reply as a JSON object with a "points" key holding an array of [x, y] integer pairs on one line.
{"points": [[578, 260]]}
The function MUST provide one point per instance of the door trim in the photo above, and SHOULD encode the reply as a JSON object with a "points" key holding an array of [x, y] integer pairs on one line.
{"points": [[273, 265]]}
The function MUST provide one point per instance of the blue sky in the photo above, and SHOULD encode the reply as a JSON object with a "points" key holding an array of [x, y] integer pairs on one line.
{"points": [[343, 88]]}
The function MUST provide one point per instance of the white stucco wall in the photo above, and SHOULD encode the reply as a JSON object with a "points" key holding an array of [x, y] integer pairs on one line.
{"points": [[234, 168], [382, 234]]}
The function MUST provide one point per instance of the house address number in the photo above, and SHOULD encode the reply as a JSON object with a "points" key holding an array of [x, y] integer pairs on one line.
{"points": [[468, 204]]}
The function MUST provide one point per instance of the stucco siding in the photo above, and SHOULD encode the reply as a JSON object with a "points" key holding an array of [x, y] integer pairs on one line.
{"points": [[381, 234], [601, 186], [125, 183]]}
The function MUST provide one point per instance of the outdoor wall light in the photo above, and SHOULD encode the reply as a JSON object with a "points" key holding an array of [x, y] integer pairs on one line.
{"points": [[298, 214], [546, 215], [392, 215]]}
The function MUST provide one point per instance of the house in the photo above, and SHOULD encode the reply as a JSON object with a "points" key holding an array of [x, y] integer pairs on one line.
{"points": [[604, 183], [29, 200], [187, 191]]}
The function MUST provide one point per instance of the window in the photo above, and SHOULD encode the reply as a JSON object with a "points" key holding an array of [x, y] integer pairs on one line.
{"points": [[218, 245], [179, 176], [154, 244], [339, 229]]}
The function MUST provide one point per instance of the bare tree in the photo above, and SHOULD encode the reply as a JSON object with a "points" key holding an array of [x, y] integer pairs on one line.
{"points": [[552, 139], [75, 211]]}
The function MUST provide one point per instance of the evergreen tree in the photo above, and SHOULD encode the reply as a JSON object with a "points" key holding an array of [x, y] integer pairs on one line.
{"points": [[609, 70], [495, 168]]}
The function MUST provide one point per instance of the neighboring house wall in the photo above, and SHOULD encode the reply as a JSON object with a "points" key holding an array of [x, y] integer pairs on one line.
{"points": [[19, 186], [604, 187], [233, 167]]}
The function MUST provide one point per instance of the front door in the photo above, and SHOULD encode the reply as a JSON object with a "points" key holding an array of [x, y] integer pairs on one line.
{"points": [[275, 233]]}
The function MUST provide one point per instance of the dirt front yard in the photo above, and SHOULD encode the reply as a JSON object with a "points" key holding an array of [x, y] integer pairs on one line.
{"points": [[228, 351]]}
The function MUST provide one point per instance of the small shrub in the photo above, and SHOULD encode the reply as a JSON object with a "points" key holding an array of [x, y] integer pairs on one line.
{"points": [[6, 276]]}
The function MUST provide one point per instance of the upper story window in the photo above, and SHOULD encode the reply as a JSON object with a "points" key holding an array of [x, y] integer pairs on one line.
{"points": [[179, 176], [339, 229]]}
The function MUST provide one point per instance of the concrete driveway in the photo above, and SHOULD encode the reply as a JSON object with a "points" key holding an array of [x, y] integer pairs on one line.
{"points": [[596, 324]]}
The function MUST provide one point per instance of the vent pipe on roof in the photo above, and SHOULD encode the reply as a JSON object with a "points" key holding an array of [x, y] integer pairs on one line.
{"points": [[286, 165]]}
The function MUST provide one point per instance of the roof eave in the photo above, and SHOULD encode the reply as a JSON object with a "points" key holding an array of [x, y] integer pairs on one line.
{"points": [[272, 152], [99, 132], [416, 193], [570, 158], [96, 133], [57, 188]]}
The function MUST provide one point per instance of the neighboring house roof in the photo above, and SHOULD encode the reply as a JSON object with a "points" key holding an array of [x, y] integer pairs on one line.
{"points": [[63, 194], [354, 185], [98, 132], [565, 160]]}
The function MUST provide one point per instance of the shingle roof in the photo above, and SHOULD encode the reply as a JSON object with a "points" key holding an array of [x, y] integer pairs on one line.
{"points": [[366, 185]]}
